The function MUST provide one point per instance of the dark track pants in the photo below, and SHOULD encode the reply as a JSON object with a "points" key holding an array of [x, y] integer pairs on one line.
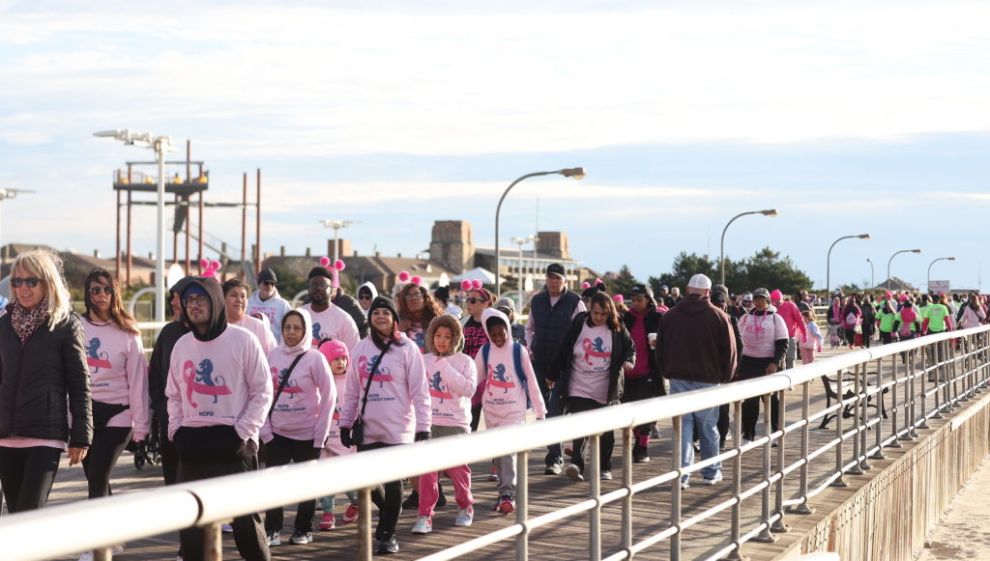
{"points": [[26, 475]]}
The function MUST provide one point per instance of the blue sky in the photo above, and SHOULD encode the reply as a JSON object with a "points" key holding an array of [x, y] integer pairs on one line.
{"points": [[846, 118]]}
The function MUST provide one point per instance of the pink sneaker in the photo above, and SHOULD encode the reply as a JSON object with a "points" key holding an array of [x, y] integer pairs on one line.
{"points": [[327, 521], [350, 515]]}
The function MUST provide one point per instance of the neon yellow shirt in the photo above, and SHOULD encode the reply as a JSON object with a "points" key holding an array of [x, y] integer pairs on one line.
{"points": [[937, 313]]}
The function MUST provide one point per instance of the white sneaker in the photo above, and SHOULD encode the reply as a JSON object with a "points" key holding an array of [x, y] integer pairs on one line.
{"points": [[573, 472], [606, 475], [275, 538], [465, 516], [685, 484], [713, 481], [423, 525]]}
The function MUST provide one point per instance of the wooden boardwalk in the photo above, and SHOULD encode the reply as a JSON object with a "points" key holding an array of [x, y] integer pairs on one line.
{"points": [[565, 540]]}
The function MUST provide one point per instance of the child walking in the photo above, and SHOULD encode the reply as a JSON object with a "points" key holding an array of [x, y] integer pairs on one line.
{"points": [[511, 388], [336, 354], [813, 339]]}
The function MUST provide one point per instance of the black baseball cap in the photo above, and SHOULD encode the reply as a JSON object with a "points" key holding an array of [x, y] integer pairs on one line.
{"points": [[641, 289], [556, 269], [267, 275]]}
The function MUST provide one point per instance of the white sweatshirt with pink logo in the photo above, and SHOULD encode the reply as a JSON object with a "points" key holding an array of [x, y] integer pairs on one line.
{"points": [[333, 445], [225, 381], [452, 380], [261, 330], [118, 374], [398, 398], [333, 323], [504, 400]]}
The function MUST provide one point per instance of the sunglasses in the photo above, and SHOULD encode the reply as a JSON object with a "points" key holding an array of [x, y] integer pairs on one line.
{"points": [[364, 297], [17, 282], [268, 283], [473, 300], [96, 290]]}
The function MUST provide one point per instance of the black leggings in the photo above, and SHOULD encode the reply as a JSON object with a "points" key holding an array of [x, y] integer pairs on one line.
{"points": [[606, 443], [108, 445], [281, 451], [636, 389], [26, 476], [751, 413], [388, 498]]}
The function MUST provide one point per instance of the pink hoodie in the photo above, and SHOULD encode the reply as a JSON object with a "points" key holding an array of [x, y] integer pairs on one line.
{"points": [[452, 381], [398, 398], [504, 401], [792, 318], [225, 381], [305, 406], [118, 374], [333, 445]]}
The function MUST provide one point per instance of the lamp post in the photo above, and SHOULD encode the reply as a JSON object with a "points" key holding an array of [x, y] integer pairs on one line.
{"points": [[337, 225], [521, 242], [928, 285], [872, 285], [576, 173], [9, 194], [891, 260], [721, 252], [828, 259], [160, 144]]}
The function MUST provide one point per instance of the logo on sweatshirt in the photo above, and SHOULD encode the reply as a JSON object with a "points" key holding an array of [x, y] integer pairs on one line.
{"points": [[497, 378], [594, 349], [365, 364], [201, 380], [437, 390], [420, 338], [96, 359], [291, 387], [316, 333]]}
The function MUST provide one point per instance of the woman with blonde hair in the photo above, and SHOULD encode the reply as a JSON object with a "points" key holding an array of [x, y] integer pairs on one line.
{"points": [[44, 377]]}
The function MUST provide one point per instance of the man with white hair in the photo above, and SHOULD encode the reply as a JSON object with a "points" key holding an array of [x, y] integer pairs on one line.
{"points": [[696, 349]]}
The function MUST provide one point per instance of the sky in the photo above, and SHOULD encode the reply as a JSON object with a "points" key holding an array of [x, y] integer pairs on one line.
{"points": [[847, 117]]}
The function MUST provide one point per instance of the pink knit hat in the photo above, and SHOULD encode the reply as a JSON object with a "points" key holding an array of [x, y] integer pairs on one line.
{"points": [[333, 350], [776, 295]]}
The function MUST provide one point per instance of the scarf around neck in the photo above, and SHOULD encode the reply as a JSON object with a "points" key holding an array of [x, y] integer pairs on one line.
{"points": [[25, 322]]}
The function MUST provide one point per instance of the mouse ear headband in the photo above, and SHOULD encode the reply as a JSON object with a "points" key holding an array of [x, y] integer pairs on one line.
{"points": [[209, 267], [335, 270], [405, 277], [469, 285]]}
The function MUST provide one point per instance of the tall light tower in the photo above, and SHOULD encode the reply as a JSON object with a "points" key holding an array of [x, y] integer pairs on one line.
{"points": [[4, 195], [337, 225], [521, 242]]}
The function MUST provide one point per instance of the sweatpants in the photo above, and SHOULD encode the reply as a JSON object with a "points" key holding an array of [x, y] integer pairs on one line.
{"points": [[170, 458], [636, 389], [792, 352], [108, 444], [387, 497], [281, 451], [505, 468], [26, 476], [606, 444], [429, 490]]}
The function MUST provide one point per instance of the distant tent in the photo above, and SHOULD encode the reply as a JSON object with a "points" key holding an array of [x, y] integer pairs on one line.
{"points": [[894, 283], [477, 273]]}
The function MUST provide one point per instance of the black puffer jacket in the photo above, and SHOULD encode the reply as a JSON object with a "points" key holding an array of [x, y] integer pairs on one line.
{"points": [[622, 352], [43, 379]]}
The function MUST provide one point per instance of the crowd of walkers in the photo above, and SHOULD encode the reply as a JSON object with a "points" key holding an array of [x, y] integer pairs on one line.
{"points": [[237, 380]]}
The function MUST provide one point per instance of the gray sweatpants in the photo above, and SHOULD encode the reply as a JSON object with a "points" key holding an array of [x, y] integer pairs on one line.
{"points": [[505, 467]]}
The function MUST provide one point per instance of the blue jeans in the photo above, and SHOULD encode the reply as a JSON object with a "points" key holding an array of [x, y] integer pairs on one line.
{"points": [[707, 420]]}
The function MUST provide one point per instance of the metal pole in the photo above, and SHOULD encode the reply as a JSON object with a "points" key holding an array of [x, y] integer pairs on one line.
{"points": [[116, 273], [734, 528], [840, 481], [765, 535], [243, 218], [857, 389], [804, 508], [721, 245], [675, 492], [522, 504], [257, 222], [595, 492], [893, 404], [199, 252], [828, 260], [778, 525], [863, 417], [878, 454], [364, 524], [130, 252], [336, 243], [498, 212], [161, 146], [627, 501], [873, 284], [212, 542]]}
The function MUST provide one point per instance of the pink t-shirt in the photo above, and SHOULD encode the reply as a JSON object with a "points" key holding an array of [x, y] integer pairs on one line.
{"points": [[118, 374], [25, 442], [504, 401], [760, 333], [261, 330], [589, 369], [452, 380], [333, 323]]}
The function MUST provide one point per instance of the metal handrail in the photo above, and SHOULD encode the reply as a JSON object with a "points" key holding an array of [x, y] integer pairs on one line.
{"points": [[98, 524]]}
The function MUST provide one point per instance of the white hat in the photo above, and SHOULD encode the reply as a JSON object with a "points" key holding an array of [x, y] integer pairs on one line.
{"points": [[700, 281]]}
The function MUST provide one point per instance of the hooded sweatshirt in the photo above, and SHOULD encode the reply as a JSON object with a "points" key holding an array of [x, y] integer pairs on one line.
{"points": [[305, 406], [696, 342], [398, 397], [259, 330], [452, 379], [273, 308], [333, 323], [118, 374], [335, 447], [504, 399], [374, 293], [220, 377]]}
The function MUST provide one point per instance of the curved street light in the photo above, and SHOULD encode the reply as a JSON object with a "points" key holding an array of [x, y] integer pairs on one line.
{"points": [[575, 173], [828, 259], [891, 260], [721, 251], [928, 279], [872, 284]]}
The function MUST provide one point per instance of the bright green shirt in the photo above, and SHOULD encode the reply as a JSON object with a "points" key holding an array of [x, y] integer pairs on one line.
{"points": [[923, 311], [887, 321], [936, 317]]}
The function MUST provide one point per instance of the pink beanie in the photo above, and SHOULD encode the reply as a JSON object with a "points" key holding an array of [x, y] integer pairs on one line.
{"points": [[776, 295], [334, 350]]}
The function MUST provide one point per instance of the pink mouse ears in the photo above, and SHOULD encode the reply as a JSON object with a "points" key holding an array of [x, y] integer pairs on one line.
{"points": [[405, 277], [209, 267], [468, 285], [619, 299], [335, 270], [598, 282]]}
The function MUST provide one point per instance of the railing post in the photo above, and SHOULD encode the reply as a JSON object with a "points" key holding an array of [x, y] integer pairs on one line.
{"points": [[103, 554], [839, 480], [595, 492], [522, 504], [675, 492], [911, 413], [627, 501], [908, 385], [950, 354], [212, 542], [364, 524], [734, 528], [878, 454], [857, 389], [863, 415], [923, 378], [765, 535], [778, 525], [894, 442], [804, 507]]}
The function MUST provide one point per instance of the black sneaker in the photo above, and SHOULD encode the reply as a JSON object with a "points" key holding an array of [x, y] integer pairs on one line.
{"points": [[412, 501], [553, 469], [441, 501], [389, 546], [301, 538]]}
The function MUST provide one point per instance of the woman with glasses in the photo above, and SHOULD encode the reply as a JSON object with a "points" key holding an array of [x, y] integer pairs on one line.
{"points": [[477, 301], [417, 308], [44, 378], [118, 378], [235, 297]]}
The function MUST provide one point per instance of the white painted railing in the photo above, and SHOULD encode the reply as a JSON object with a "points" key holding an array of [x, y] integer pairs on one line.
{"points": [[962, 372]]}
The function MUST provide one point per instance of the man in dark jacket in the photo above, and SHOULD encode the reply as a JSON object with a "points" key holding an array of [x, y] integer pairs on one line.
{"points": [[643, 381], [696, 349], [550, 316]]}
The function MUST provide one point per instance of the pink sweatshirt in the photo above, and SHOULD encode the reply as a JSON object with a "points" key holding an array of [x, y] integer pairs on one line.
{"points": [[261, 330], [504, 401], [398, 399], [793, 319], [225, 381], [452, 381], [305, 406], [118, 374], [333, 445], [333, 323]]}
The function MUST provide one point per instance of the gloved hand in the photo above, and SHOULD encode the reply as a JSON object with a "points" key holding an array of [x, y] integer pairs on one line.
{"points": [[345, 437], [422, 435], [248, 449]]}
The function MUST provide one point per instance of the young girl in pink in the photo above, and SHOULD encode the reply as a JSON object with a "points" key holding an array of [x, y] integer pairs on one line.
{"points": [[812, 340], [338, 357], [452, 377]]}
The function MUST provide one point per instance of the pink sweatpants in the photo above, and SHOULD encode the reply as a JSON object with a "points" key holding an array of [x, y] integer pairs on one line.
{"points": [[460, 476], [807, 355]]}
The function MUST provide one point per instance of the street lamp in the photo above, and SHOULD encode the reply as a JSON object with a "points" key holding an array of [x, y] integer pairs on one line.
{"points": [[160, 144], [891, 260], [828, 260], [337, 225], [9, 194], [872, 285], [521, 242], [721, 253], [575, 173], [928, 286]]}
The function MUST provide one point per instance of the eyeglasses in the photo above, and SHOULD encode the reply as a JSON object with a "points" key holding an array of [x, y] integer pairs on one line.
{"points": [[268, 283], [473, 300], [414, 296], [17, 282], [196, 300], [364, 297], [96, 290]]}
